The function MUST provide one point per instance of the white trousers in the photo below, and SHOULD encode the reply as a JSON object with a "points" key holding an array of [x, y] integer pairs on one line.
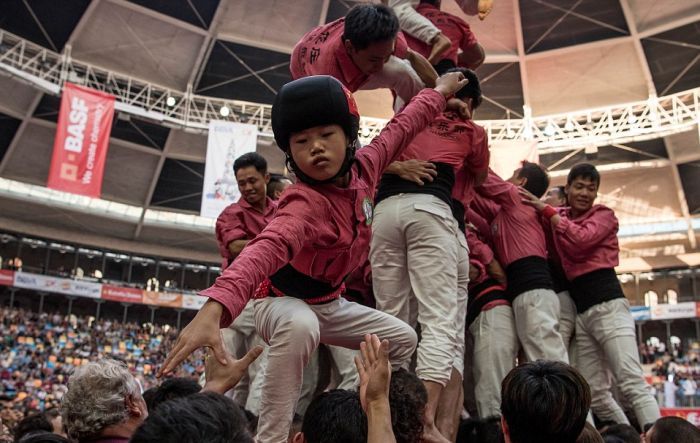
{"points": [[606, 343], [536, 314], [418, 253], [293, 329]]}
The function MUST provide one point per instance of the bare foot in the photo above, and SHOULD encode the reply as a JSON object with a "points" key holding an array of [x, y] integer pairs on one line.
{"points": [[432, 435]]}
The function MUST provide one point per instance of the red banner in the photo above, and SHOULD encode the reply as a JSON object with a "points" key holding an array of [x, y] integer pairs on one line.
{"points": [[7, 278], [82, 138], [126, 295], [690, 414]]}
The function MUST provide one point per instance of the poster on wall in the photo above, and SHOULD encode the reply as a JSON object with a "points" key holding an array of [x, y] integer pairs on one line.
{"points": [[226, 142], [82, 139], [507, 155]]}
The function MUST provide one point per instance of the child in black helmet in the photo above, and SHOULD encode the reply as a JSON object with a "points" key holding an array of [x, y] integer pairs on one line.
{"points": [[320, 234]]}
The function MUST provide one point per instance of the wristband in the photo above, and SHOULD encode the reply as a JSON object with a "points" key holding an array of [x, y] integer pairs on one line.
{"points": [[549, 212]]}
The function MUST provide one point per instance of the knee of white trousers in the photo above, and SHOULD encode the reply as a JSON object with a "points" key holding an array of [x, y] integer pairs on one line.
{"points": [[402, 346], [300, 332]]}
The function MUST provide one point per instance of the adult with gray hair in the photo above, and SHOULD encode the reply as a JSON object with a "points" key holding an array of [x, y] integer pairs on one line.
{"points": [[103, 403]]}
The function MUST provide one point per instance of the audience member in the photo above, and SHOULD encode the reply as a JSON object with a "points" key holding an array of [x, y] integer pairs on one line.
{"points": [[203, 417], [672, 430], [544, 402], [170, 389], [334, 416], [620, 433], [589, 435], [32, 424], [103, 403]]}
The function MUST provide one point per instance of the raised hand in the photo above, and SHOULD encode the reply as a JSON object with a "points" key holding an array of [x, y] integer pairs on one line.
{"points": [[374, 370], [220, 378]]}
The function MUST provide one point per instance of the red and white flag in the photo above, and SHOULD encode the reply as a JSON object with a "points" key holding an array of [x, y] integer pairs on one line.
{"points": [[82, 139]]}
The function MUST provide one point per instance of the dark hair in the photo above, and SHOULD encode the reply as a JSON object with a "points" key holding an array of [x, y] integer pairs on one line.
{"points": [[276, 184], [674, 430], [584, 171], [42, 437], [407, 400], [545, 402], [537, 178], [369, 23], [171, 389], [589, 435], [32, 423], [335, 417], [251, 159], [472, 89], [297, 421], [205, 416], [620, 433], [480, 430], [430, 2]]}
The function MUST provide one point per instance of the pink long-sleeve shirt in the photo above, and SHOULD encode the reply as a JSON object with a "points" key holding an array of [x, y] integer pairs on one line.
{"points": [[323, 231], [515, 228], [240, 221], [588, 242]]}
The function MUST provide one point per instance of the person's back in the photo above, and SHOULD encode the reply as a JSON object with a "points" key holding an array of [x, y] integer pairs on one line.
{"points": [[544, 402], [673, 430]]}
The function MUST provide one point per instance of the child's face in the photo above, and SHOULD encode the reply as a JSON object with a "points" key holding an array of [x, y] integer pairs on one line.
{"points": [[319, 151], [582, 193]]}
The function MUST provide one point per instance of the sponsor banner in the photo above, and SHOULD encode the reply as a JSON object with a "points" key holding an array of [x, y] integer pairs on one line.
{"points": [[126, 295], [226, 142], [82, 139], [680, 310], [7, 278], [507, 155], [60, 285], [166, 299], [193, 301], [640, 312], [690, 414]]}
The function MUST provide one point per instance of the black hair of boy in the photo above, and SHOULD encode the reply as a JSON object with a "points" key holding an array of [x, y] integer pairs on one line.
{"points": [[171, 389], [32, 423], [366, 24], [544, 402], [621, 433], [335, 417], [585, 171], [480, 430], [673, 430], [251, 159], [202, 417], [407, 400], [537, 178], [472, 89]]}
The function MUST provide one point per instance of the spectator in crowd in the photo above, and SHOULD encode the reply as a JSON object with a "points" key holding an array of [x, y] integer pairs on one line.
{"points": [[620, 433], [334, 416], [589, 435], [544, 402], [672, 430], [32, 424], [103, 403], [203, 417]]}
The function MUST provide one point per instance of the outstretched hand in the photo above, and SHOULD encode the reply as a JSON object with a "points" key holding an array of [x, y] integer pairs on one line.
{"points": [[202, 331], [220, 378], [374, 369]]}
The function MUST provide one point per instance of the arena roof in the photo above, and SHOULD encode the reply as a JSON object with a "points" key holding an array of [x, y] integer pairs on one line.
{"points": [[550, 56]]}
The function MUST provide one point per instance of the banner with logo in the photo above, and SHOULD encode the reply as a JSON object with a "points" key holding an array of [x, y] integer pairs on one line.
{"points": [[65, 286], [193, 301], [226, 142], [165, 299], [690, 414], [82, 139], [640, 313], [124, 295], [507, 155], [668, 312], [7, 278]]}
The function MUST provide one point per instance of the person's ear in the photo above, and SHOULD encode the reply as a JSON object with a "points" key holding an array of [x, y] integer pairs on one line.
{"points": [[132, 405], [298, 438], [348, 46], [506, 431], [267, 178], [523, 181]]}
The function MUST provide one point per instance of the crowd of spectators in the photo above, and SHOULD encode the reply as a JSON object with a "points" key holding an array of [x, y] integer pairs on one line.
{"points": [[39, 351]]}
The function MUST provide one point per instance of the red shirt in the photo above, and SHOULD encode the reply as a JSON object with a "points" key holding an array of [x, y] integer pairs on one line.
{"points": [[323, 231], [322, 52], [516, 228], [240, 221], [587, 243], [479, 241], [453, 27]]}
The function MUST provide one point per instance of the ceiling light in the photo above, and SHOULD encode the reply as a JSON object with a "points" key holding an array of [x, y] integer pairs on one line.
{"points": [[632, 119], [224, 111], [569, 125], [170, 101], [550, 130]]}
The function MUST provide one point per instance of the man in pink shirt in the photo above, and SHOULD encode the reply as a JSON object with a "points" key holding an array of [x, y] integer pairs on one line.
{"points": [[585, 235], [520, 246], [457, 31], [364, 50], [319, 235], [414, 229]]}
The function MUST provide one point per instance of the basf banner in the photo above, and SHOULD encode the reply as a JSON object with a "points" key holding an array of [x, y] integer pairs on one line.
{"points": [[507, 155], [82, 138], [227, 141]]}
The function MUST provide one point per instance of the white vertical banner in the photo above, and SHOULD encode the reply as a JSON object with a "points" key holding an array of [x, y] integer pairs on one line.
{"points": [[507, 155], [227, 141]]}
